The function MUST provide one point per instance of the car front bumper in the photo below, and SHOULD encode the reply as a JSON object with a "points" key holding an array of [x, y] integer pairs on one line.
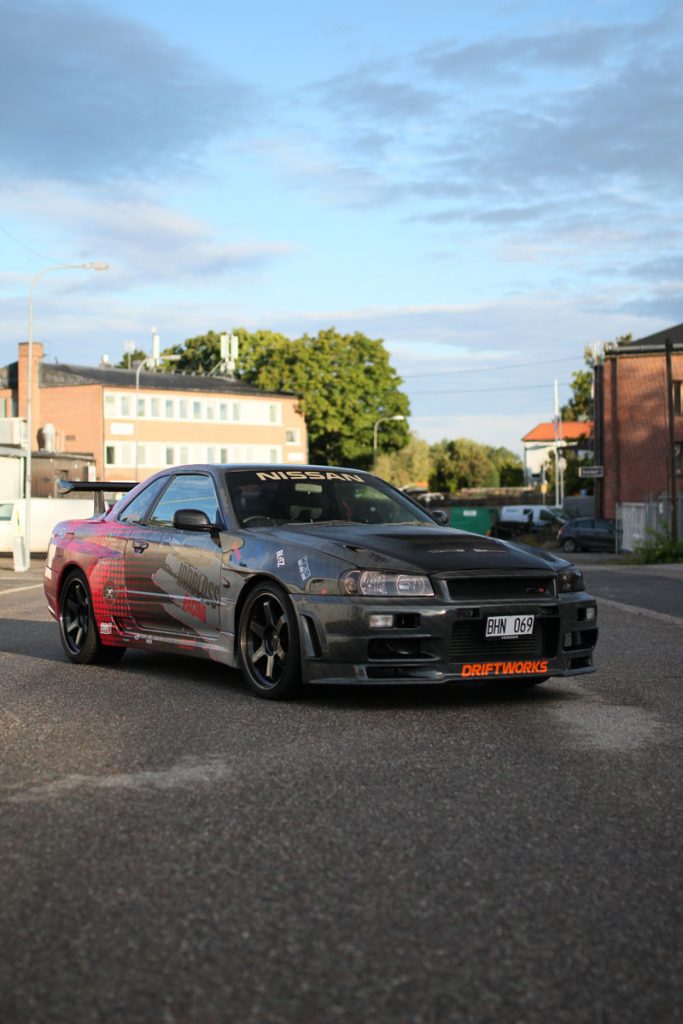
{"points": [[442, 643]]}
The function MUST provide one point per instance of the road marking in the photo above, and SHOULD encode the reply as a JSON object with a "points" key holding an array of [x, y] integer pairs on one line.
{"points": [[14, 590], [662, 616]]}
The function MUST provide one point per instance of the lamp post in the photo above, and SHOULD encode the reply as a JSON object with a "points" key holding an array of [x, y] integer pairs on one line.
{"points": [[148, 363], [29, 426], [383, 419]]}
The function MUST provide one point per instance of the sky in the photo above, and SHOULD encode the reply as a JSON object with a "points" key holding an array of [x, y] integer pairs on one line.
{"points": [[488, 187]]}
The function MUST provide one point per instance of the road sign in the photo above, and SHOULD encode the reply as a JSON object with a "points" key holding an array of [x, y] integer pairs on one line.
{"points": [[585, 471]]}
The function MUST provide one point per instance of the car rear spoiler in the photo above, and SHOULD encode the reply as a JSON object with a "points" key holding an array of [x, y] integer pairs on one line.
{"points": [[98, 488]]}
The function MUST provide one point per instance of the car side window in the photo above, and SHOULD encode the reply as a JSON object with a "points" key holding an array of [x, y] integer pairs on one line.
{"points": [[187, 490], [136, 510]]}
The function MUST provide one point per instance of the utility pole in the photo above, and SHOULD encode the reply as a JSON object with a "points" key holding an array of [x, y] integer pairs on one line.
{"points": [[672, 442], [556, 432]]}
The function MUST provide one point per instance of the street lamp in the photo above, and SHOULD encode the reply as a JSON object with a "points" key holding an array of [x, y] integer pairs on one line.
{"points": [[29, 426], [383, 419]]}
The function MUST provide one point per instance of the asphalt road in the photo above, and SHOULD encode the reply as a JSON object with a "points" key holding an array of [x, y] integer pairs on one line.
{"points": [[174, 850]]}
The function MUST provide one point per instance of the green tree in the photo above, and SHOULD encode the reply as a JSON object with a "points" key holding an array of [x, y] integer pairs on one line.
{"points": [[461, 463], [580, 405], [509, 467], [346, 384], [408, 465]]}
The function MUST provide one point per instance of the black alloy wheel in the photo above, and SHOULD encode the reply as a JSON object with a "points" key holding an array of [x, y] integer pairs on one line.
{"points": [[269, 643], [77, 627], [570, 544]]}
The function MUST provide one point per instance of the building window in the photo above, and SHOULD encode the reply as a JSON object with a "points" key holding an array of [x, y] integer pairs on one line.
{"points": [[678, 458], [141, 407], [110, 406], [142, 455], [224, 455], [154, 407], [210, 454], [678, 398], [197, 410], [273, 410], [110, 455], [223, 410], [273, 455], [182, 409], [236, 412], [292, 436], [169, 408], [184, 456], [210, 411], [170, 453], [125, 405]]}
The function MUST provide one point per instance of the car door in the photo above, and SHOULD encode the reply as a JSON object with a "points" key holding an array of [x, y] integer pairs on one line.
{"points": [[583, 532], [172, 575], [604, 535]]}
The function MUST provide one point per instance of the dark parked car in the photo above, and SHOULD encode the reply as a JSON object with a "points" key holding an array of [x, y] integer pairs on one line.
{"points": [[587, 535], [311, 574]]}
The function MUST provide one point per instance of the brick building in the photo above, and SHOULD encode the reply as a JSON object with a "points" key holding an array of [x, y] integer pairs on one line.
{"points": [[637, 439], [135, 425]]}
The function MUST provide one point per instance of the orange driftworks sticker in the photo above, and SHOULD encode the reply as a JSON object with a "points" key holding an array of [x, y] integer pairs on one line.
{"points": [[505, 668]]}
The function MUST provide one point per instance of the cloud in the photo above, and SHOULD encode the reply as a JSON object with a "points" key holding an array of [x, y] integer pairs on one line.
{"points": [[571, 48], [365, 94], [590, 108], [143, 241], [95, 96]]}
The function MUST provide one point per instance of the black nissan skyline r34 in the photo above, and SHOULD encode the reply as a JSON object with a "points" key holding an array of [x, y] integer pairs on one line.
{"points": [[311, 574]]}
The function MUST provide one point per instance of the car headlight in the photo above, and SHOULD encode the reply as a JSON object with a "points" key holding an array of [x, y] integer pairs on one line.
{"points": [[570, 581], [370, 583]]}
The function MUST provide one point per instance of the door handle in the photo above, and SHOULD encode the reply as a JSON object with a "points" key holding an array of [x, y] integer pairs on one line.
{"points": [[139, 546]]}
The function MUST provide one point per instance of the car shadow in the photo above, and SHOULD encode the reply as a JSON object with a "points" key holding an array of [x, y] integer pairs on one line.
{"points": [[36, 639]]}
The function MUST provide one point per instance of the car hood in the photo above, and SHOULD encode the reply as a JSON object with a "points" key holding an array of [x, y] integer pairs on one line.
{"points": [[419, 548]]}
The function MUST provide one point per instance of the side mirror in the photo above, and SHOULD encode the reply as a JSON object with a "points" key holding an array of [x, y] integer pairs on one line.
{"points": [[440, 516], [191, 519]]}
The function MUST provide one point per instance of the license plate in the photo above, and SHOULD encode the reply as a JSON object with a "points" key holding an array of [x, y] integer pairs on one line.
{"points": [[508, 627]]}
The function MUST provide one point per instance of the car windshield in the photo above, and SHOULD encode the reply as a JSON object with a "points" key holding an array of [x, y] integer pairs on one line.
{"points": [[263, 498]]}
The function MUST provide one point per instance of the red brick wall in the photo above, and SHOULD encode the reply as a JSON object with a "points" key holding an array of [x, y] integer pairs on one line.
{"points": [[76, 413], [636, 438]]}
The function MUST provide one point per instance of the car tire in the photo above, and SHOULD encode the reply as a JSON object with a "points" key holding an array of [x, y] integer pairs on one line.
{"points": [[77, 626], [570, 544], [269, 649]]}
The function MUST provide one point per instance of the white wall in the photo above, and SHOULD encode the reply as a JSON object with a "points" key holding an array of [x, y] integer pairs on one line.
{"points": [[11, 476]]}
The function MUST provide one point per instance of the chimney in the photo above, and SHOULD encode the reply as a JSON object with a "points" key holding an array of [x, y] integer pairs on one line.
{"points": [[22, 384]]}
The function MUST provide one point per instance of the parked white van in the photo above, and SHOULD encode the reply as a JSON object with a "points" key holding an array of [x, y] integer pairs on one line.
{"points": [[534, 516], [45, 514]]}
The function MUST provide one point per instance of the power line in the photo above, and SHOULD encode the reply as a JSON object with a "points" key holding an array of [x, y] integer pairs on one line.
{"points": [[486, 369], [472, 391], [28, 248]]}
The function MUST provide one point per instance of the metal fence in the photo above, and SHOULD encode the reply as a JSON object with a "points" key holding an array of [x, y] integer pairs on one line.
{"points": [[638, 522]]}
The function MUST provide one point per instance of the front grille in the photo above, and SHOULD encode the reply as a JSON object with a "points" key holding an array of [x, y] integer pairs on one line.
{"points": [[468, 642], [498, 587]]}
